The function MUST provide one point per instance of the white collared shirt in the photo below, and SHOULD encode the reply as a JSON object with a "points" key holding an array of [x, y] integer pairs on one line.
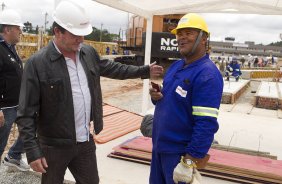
{"points": [[81, 97]]}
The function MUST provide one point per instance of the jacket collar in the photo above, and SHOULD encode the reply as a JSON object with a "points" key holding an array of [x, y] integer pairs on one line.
{"points": [[55, 54], [1, 39]]}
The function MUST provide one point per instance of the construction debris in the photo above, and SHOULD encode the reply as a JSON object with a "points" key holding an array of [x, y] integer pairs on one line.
{"points": [[225, 165]]}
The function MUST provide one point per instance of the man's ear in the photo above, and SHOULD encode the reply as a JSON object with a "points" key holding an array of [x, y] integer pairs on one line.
{"points": [[204, 39], [56, 30], [7, 29]]}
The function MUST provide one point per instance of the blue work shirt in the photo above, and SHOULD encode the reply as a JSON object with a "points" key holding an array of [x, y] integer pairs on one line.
{"points": [[185, 119], [235, 69]]}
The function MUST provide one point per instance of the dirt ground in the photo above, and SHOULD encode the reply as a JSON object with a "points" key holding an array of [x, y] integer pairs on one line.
{"points": [[127, 94], [122, 93]]}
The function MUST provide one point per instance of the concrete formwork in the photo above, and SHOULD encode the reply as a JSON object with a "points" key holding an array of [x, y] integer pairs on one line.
{"points": [[269, 96], [233, 90]]}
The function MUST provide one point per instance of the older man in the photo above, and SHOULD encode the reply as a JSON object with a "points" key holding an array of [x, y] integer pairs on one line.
{"points": [[11, 68], [61, 95]]}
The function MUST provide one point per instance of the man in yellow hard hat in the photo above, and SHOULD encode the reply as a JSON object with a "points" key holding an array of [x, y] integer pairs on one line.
{"points": [[186, 108]]}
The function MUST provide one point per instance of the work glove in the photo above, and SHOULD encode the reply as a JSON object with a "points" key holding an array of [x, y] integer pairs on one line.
{"points": [[197, 178], [186, 172], [230, 69]]}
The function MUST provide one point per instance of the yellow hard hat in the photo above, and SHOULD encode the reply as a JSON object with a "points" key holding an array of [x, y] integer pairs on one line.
{"points": [[191, 20]]}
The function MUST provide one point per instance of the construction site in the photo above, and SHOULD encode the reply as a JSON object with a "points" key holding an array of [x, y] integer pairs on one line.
{"points": [[247, 147]]}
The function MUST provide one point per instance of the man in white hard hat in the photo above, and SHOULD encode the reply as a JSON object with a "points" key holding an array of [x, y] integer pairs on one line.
{"points": [[61, 95], [11, 68]]}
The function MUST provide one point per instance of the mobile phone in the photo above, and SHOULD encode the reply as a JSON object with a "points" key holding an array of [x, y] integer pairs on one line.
{"points": [[156, 86]]}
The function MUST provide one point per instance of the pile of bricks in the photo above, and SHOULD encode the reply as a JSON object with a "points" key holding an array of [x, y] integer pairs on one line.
{"points": [[267, 103]]}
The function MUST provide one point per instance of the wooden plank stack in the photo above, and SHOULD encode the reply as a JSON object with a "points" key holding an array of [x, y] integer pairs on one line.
{"points": [[238, 167], [117, 122]]}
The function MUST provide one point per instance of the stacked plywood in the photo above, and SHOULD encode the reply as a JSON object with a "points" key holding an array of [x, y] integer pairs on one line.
{"points": [[266, 74], [117, 122], [261, 73], [226, 165]]}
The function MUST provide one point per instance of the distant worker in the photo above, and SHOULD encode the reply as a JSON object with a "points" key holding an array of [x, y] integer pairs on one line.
{"points": [[11, 68], [114, 52], [250, 60], [61, 94], [242, 60], [217, 62], [256, 61], [222, 67], [186, 107], [233, 69], [108, 50], [126, 52]]}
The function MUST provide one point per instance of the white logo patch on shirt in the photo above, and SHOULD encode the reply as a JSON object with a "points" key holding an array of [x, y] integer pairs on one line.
{"points": [[181, 91]]}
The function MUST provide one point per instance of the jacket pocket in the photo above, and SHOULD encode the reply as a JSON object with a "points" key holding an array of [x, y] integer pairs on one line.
{"points": [[10, 91], [52, 91], [2, 89]]}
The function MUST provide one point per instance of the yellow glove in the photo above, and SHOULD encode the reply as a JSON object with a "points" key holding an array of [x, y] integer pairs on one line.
{"points": [[183, 172]]}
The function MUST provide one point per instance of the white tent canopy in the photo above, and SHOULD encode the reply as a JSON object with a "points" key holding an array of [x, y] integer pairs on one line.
{"points": [[148, 8]]}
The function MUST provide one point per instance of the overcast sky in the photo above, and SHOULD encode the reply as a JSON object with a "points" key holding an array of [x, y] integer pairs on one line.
{"points": [[259, 28]]}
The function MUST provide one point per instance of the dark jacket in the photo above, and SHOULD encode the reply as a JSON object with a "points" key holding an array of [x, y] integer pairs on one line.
{"points": [[46, 104], [10, 75]]}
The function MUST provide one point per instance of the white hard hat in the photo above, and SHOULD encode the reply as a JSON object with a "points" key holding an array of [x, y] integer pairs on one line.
{"points": [[11, 17], [73, 17]]}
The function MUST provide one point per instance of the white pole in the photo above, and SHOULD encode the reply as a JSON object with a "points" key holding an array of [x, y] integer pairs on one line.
{"points": [[56, 3], [145, 102]]}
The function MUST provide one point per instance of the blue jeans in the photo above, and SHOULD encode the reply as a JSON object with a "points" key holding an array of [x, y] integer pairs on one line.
{"points": [[16, 150]]}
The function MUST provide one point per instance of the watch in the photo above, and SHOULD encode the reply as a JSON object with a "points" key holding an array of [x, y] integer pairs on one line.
{"points": [[188, 163]]}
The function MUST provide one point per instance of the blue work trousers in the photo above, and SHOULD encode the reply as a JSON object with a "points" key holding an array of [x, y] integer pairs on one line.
{"points": [[162, 166]]}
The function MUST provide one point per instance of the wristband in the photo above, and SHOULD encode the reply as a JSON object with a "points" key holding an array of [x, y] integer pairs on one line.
{"points": [[187, 163]]}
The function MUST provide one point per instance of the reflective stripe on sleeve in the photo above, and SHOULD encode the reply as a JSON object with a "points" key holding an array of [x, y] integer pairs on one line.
{"points": [[205, 111]]}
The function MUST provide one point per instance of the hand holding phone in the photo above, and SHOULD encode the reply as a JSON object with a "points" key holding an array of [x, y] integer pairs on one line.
{"points": [[156, 86]]}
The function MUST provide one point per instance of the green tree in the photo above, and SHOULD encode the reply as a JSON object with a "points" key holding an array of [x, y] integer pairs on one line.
{"points": [[279, 44], [106, 36], [27, 27]]}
